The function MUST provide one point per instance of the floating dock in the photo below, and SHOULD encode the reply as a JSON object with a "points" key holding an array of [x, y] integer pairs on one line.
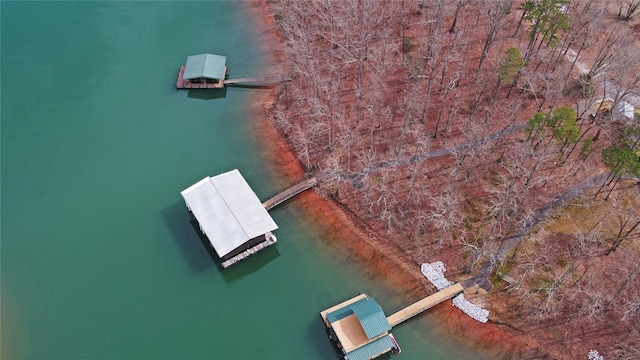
{"points": [[182, 83], [360, 329], [209, 71]]}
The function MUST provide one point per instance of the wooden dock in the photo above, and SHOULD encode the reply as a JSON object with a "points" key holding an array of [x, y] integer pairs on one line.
{"points": [[289, 193], [266, 80], [181, 83], [424, 304], [270, 240]]}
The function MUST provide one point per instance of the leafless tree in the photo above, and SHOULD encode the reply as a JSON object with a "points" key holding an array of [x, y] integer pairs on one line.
{"points": [[495, 11], [627, 8], [444, 214], [459, 5], [614, 46]]}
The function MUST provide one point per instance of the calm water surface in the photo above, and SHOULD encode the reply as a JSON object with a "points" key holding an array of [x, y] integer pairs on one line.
{"points": [[99, 260]]}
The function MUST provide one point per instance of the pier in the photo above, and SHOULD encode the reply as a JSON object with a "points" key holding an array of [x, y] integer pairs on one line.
{"points": [[360, 329], [183, 83], [424, 304], [268, 80], [289, 193]]}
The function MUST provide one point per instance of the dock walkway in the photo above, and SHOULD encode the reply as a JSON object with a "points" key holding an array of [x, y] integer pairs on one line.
{"points": [[268, 80], [424, 304], [289, 193]]}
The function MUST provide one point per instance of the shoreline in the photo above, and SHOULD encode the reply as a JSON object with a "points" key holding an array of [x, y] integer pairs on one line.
{"points": [[342, 229]]}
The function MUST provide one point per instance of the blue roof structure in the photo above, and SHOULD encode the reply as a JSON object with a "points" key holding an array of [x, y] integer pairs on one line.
{"points": [[372, 349], [205, 66], [368, 312]]}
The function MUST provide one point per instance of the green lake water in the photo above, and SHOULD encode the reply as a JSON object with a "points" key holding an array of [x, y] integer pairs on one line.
{"points": [[98, 257]]}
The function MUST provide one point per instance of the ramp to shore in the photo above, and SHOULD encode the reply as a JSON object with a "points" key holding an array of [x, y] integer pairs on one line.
{"points": [[289, 193], [424, 304]]}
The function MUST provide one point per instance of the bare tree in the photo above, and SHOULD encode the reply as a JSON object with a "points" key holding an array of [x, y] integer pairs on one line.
{"points": [[613, 47], [627, 8], [495, 10], [444, 214], [459, 5]]}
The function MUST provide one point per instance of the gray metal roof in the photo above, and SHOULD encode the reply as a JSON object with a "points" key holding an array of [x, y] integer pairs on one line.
{"points": [[372, 349], [205, 66], [228, 211]]}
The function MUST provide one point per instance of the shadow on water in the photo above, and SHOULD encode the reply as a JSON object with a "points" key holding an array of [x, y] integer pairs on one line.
{"points": [[198, 251], [207, 94], [178, 220], [249, 265], [241, 269], [319, 335]]}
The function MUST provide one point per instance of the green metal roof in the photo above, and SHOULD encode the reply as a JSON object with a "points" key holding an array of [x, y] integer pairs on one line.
{"points": [[204, 66], [372, 349], [370, 314], [339, 314], [371, 317]]}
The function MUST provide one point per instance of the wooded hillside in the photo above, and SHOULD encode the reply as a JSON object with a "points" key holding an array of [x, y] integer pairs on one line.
{"points": [[488, 134]]}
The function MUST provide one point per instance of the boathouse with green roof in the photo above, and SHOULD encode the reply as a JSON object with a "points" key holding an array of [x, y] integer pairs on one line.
{"points": [[203, 71], [360, 328]]}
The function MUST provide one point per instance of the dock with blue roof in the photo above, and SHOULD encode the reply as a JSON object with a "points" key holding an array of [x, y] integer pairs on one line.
{"points": [[209, 71], [361, 330]]}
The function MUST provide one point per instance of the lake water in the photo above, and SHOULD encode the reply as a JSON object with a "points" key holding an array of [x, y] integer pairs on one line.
{"points": [[99, 259]]}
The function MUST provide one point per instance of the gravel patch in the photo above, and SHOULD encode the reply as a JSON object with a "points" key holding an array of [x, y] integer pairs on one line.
{"points": [[435, 273]]}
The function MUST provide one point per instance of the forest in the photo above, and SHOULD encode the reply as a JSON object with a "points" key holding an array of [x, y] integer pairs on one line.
{"points": [[499, 136]]}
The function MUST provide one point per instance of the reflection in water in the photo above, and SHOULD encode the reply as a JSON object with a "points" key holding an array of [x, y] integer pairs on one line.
{"points": [[207, 94]]}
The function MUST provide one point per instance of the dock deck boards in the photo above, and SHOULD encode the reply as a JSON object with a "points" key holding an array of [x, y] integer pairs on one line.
{"points": [[289, 193], [271, 239], [267, 80], [424, 304], [181, 83]]}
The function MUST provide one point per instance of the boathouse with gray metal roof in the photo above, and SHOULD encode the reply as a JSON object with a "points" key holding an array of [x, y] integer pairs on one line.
{"points": [[231, 216]]}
